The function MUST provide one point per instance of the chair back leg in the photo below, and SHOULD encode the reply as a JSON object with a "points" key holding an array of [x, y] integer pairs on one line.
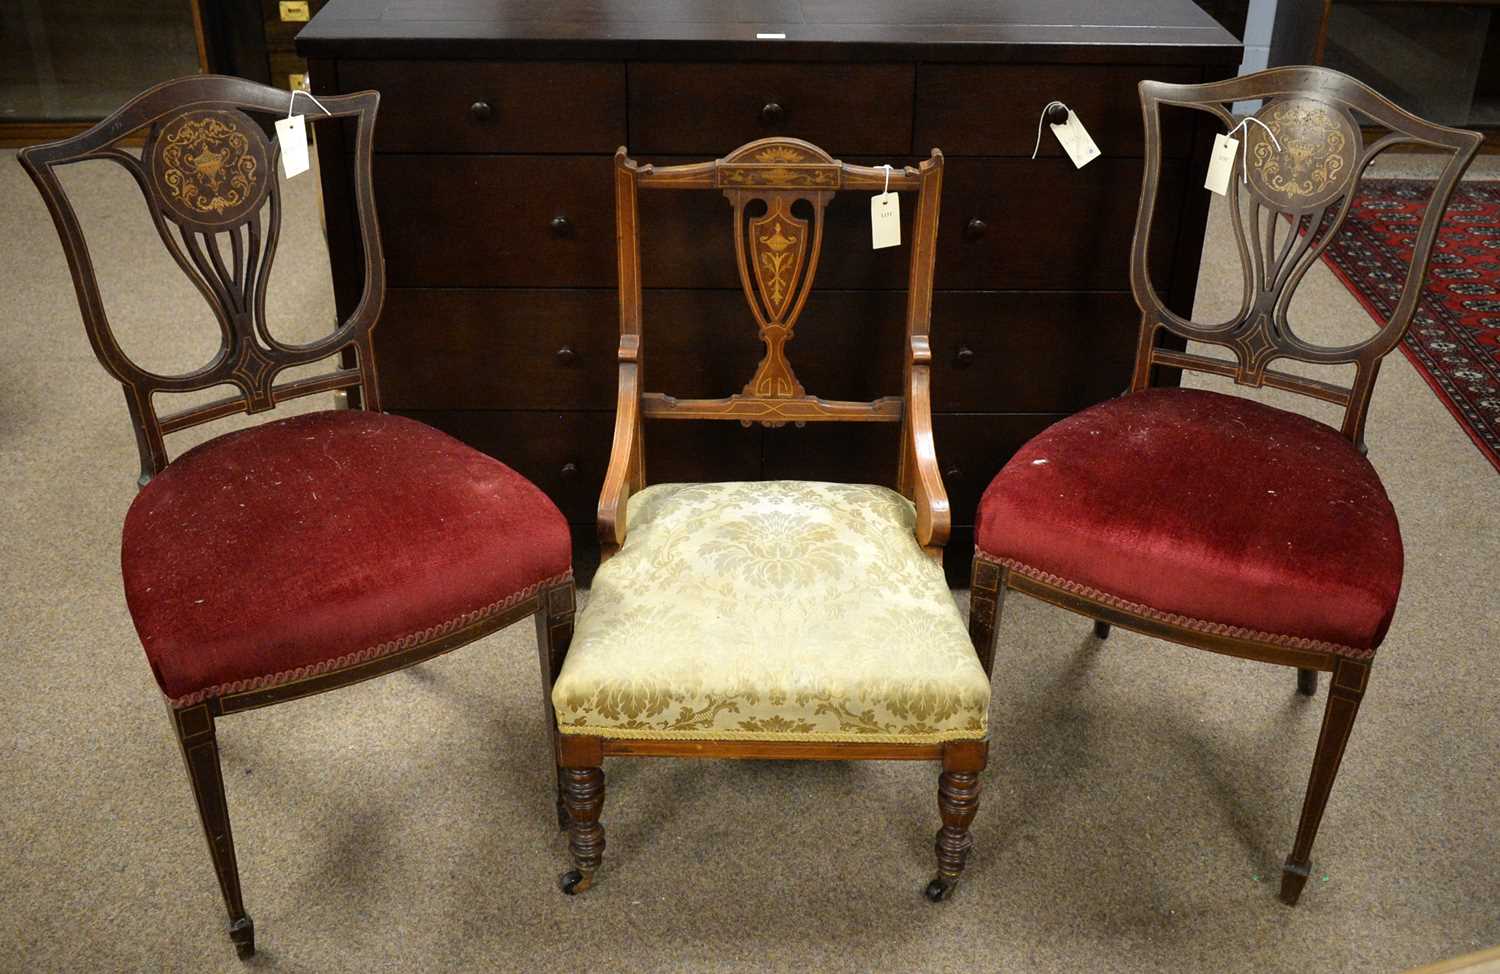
{"points": [[1345, 690], [958, 801], [200, 754], [554, 632], [1307, 682]]}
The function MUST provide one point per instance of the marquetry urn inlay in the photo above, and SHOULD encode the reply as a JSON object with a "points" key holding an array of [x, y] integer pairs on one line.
{"points": [[210, 167], [1315, 163]]}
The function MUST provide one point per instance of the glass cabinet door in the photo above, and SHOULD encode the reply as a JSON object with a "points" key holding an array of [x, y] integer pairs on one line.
{"points": [[78, 60], [1437, 59]]}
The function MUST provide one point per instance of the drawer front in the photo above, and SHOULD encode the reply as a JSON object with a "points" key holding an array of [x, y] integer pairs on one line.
{"points": [[498, 221], [555, 349], [456, 348], [567, 453], [709, 109], [548, 221], [488, 106], [1030, 351], [1044, 225], [993, 351], [993, 110]]}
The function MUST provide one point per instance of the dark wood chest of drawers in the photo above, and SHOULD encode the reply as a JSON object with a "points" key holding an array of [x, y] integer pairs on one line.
{"points": [[497, 122]]}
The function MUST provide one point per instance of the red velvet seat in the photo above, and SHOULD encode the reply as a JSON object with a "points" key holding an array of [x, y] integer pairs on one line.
{"points": [[1223, 513], [320, 541]]}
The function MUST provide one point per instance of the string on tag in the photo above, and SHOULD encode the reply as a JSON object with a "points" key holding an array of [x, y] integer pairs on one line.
{"points": [[1043, 118], [885, 215], [292, 102], [1245, 142]]}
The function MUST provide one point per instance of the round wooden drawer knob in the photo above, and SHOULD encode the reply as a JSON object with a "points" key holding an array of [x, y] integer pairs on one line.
{"points": [[569, 471], [964, 357], [562, 226], [480, 111], [566, 355], [975, 229], [772, 114], [1057, 115]]}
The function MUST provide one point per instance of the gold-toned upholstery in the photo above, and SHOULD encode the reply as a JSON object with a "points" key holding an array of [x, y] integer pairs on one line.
{"points": [[778, 610]]}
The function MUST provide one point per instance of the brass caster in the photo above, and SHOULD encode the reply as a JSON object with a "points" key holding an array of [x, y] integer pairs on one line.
{"points": [[242, 933], [940, 889], [574, 882]]}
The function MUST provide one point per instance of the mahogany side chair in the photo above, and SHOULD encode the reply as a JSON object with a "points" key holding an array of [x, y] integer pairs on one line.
{"points": [[310, 552], [1212, 520], [780, 619]]}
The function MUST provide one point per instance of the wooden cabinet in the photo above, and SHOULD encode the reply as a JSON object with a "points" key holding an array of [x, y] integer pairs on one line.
{"points": [[497, 212]]}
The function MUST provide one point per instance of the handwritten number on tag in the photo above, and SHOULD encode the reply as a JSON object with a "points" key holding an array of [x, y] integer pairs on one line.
{"points": [[885, 220]]}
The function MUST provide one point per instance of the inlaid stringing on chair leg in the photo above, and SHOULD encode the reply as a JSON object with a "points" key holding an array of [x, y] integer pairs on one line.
{"points": [[554, 632], [583, 793], [1345, 690], [986, 602], [200, 755]]}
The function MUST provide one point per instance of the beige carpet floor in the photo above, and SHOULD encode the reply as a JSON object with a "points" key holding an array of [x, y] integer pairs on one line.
{"points": [[1139, 801]]}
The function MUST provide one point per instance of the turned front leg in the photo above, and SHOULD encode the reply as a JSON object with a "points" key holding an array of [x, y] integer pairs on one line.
{"points": [[958, 800], [583, 795]]}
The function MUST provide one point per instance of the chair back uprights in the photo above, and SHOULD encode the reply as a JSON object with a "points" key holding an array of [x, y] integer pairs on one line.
{"points": [[208, 174], [778, 190], [1293, 180]]}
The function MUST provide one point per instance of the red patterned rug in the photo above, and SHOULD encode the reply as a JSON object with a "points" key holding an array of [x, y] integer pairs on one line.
{"points": [[1454, 339]]}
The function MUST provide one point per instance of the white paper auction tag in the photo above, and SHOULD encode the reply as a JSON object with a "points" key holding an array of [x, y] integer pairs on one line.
{"points": [[291, 132], [1221, 164], [885, 220], [1076, 141]]}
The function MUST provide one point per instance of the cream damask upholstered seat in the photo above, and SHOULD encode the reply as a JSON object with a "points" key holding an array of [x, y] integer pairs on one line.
{"points": [[780, 610], [779, 620]]}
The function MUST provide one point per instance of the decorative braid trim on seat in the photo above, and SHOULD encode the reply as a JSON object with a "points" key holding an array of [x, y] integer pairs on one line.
{"points": [[1172, 618], [813, 737], [373, 652]]}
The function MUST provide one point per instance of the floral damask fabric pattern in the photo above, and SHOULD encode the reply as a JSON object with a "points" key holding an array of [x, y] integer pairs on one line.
{"points": [[782, 610]]}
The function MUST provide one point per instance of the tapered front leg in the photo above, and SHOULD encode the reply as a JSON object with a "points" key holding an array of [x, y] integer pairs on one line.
{"points": [[200, 754], [958, 801], [1101, 629], [554, 633], [986, 602], [1345, 691], [583, 793]]}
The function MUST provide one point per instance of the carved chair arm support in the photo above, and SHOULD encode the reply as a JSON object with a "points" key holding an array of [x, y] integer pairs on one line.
{"points": [[626, 472], [919, 454]]}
